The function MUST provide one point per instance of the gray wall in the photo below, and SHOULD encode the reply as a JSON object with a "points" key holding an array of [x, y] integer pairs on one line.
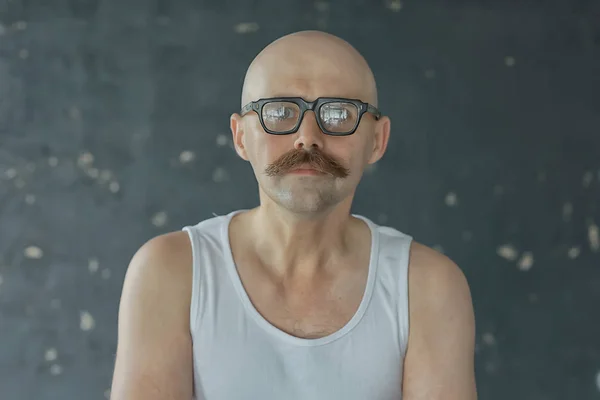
{"points": [[494, 158]]}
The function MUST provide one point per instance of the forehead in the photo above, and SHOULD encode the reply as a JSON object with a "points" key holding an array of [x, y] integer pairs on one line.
{"points": [[309, 88], [308, 78]]}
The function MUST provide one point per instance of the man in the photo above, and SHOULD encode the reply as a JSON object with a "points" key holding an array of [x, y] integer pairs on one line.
{"points": [[297, 298]]}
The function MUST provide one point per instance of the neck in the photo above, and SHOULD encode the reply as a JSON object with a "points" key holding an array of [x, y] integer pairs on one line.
{"points": [[301, 246]]}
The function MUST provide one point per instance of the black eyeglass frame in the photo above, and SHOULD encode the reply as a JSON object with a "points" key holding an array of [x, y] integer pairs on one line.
{"points": [[315, 106]]}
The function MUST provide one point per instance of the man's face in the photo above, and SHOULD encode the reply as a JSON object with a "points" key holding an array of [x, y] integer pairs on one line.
{"points": [[308, 171]]}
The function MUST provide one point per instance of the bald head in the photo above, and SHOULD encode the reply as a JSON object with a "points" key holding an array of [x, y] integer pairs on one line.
{"points": [[309, 64]]}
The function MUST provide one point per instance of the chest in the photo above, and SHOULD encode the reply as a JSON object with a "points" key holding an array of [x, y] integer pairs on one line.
{"points": [[310, 315], [309, 310], [366, 363]]}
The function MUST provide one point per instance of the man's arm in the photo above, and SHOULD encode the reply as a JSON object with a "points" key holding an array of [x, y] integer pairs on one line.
{"points": [[439, 361], [154, 350]]}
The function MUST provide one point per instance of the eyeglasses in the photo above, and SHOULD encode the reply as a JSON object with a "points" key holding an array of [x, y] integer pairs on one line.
{"points": [[335, 116]]}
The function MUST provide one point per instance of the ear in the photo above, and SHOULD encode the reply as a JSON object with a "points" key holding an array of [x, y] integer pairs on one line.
{"points": [[380, 142], [237, 130]]}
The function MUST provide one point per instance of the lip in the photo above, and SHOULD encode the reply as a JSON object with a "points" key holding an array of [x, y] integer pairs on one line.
{"points": [[305, 171]]}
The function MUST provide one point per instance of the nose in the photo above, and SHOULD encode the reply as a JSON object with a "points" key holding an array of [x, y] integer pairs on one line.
{"points": [[309, 133]]}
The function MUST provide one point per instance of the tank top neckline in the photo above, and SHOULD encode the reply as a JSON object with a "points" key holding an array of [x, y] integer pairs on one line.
{"points": [[272, 329]]}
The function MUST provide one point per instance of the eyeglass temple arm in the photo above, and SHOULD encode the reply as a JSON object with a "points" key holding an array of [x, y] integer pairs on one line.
{"points": [[247, 108], [374, 111]]}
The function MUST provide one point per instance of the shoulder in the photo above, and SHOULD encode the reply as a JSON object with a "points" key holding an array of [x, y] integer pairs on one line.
{"points": [[441, 340], [170, 254], [432, 270], [174, 247], [154, 346], [163, 264], [437, 287]]}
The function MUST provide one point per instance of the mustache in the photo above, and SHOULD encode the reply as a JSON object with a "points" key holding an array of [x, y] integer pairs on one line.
{"points": [[314, 158]]}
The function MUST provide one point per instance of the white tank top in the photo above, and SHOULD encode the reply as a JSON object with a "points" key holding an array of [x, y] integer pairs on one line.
{"points": [[238, 354]]}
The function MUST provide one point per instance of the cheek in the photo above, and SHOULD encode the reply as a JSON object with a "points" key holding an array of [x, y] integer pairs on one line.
{"points": [[263, 148], [354, 154], [365, 150]]}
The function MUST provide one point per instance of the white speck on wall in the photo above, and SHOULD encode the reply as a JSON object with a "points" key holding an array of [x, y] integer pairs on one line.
{"points": [[33, 252], [114, 187], [29, 199], [163, 21], [451, 199], [92, 172], [85, 159], [598, 381], [10, 173], [490, 367], [533, 297], [541, 176], [55, 369], [489, 339], [370, 168], [221, 140], [322, 21], [394, 5], [93, 265], [86, 321], [507, 252], [587, 179], [19, 183], [105, 176], [430, 73], [509, 61], [467, 236], [20, 25], [322, 6], [526, 261], [220, 175], [186, 156], [74, 113], [52, 161], [382, 218], [160, 219], [594, 237], [51, 354], [29, 310], [438, 248], [105, 273], [567, 211], [23, 53], [246, 27], [574, 252]]}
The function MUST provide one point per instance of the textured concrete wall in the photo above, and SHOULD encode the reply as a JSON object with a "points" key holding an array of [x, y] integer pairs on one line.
{"points": [[114, 128]]}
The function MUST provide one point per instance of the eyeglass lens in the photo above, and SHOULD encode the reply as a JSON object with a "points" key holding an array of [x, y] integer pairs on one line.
{"points": [[336, 117]]}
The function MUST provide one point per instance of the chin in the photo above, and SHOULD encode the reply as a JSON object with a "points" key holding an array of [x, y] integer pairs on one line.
{"points": [[305, 208], [305, 202], [305, 196]]}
